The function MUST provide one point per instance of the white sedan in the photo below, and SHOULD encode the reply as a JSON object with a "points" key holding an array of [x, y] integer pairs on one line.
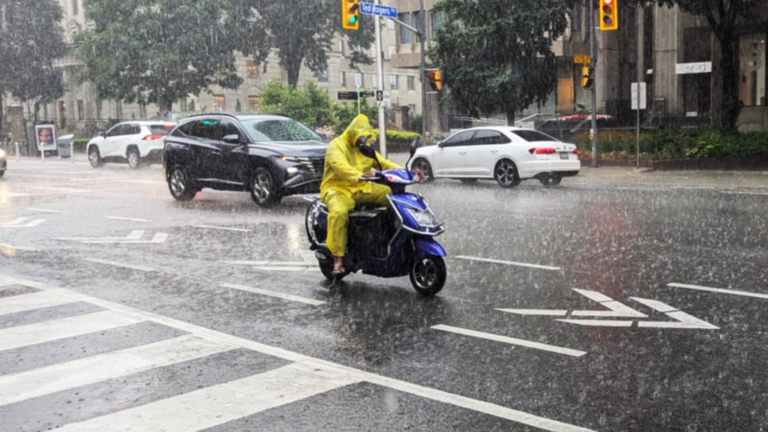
{"points": [[506, 154]]}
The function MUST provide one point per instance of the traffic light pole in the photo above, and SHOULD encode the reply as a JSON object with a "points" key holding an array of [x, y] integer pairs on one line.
{"points": [[593, 52], [380, 66]]}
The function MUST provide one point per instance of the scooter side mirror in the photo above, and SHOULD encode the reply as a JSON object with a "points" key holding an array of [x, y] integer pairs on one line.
{"points": [[368, 151], [413, 147]]}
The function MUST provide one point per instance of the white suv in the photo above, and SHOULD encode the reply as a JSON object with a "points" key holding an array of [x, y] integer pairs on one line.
{"points": [[132, 142]]}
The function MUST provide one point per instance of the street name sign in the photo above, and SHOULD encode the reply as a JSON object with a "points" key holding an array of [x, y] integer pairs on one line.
{"points": [[582, 59], [693, 68], [352, 95], [378, 10]]}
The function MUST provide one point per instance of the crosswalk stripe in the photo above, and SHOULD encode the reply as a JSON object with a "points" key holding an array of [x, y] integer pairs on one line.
{"points": [[219, 404], [17, 337], [77, 373], [26, 302]]}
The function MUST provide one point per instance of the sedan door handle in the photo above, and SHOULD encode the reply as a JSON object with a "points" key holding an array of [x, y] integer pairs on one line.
{"points": [[494, 151], [462, 153]]}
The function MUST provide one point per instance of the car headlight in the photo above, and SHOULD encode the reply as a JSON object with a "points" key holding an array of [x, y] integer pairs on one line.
{"points": [[292, 170], [289, 159], [2, 153], [423, 218]]}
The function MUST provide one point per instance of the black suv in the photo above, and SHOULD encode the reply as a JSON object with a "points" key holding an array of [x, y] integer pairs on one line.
{"points": [[270, 156]]}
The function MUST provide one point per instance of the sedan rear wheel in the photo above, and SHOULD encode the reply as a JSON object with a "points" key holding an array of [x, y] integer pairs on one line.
{"points": [[505, 174]]}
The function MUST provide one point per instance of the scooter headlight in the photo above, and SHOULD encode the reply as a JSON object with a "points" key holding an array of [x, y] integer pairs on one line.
{"points": [[423, 218]]}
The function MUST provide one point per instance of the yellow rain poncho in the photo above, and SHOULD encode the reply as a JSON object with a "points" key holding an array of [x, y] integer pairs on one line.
{"points": [[342, 190]]}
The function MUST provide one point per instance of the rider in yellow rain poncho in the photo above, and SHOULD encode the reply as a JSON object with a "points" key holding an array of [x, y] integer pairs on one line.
{"points": [[342, 189]]}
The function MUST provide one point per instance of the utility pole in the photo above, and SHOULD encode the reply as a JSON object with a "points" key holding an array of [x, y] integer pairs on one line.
{"points": [[593, 53], [380, 64], [422, 38]]}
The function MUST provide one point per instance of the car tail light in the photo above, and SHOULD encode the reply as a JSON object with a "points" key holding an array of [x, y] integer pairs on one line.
{"points": [[576, 151], [548, 150], [152, 137]]}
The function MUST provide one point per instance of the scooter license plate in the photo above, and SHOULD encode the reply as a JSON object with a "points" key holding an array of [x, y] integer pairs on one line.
{"points": [[565, 156]]}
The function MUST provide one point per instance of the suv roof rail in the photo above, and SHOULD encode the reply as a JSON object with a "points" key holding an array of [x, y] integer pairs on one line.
{"points": [[212, 114]]}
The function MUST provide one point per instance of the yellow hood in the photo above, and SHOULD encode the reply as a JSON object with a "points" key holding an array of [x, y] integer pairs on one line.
{"points": [[360, 126]]}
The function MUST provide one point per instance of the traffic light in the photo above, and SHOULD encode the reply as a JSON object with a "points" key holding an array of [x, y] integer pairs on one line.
{"points": [[436, 80], [609, 15], [587, 77], [350, 14]]}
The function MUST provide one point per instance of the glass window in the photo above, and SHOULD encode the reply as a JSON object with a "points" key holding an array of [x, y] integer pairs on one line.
{"points": [[752, 69], [405, 34], [436, 19], [116, 131], [279, 130], [343, 79], [322, 76], [489, 137], [185, 129], [227, 127], [390, 24], [375, 81], [359, 80], [534, 136], [252, 68], [411, 83], [460, 139], [253, 104], [75, 7], [392, 51], [160, 129], [393, 82], [80, 110], [205, 129], [219, 103]]}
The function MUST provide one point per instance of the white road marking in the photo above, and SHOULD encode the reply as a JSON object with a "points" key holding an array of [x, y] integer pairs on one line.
{"points": [[36, 300], [275, 265], [686, 321], [31, 334], [221, 228], [509, 263], [247, 263], [281, 269], [743, 193], [617, 309], [719, 290], [598, 323], [59, 189], [9, 248], [273, 294], [134, 235], [144, 182], [215, 405], [128, 219], [45, 210], [78, 373], [395, 384], [509, 340], [117, 264], [14, 222], [133, 238]]}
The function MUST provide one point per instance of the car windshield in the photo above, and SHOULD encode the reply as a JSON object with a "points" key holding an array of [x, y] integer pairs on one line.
{"points": [[534, 136], [161, 129], [279, 130]]}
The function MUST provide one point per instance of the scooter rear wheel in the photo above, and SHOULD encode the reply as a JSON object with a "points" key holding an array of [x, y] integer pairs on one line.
{"points": [[428, 275]]}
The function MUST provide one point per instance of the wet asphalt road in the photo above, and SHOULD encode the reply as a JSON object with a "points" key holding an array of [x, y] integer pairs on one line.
{"points": [[213, 311]]}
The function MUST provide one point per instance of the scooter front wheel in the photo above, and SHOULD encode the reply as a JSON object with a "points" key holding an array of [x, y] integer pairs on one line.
{"points": [[428, 275]]}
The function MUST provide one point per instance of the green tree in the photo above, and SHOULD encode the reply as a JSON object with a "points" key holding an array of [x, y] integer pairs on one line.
{"points": [[723, 17], [310, 105], [302, 31], [30, 40], [159, 51], [496, 55]]}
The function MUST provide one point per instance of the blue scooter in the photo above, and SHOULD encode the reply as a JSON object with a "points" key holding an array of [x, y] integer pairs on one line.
{"points": [[386, 242]]}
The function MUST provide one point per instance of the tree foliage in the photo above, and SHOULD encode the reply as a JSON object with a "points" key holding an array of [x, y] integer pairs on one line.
{"points": [[496, 55], [30, 40], [302, 32], [159, 51], [310, 105]]}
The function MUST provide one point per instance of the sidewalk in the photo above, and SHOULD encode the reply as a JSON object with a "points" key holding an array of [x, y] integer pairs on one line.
{"points": [[630, 176]]}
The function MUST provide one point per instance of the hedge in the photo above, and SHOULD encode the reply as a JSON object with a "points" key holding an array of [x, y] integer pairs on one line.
{"points": [[399, 140], [676, 143]]}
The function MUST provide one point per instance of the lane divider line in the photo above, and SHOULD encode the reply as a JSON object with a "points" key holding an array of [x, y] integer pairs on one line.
{"points": [[127, 219], [117, 264], [222, 228], [719, 290], [275, 294], [509, 263], [510, 340]]}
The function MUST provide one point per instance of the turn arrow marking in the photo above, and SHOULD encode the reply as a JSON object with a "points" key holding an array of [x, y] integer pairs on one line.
{"points": [[617, 309], [19, 223]]}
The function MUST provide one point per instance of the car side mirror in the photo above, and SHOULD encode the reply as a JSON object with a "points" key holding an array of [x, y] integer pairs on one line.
{"points": [[441, 144], [232, 139], [103, 134]]}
